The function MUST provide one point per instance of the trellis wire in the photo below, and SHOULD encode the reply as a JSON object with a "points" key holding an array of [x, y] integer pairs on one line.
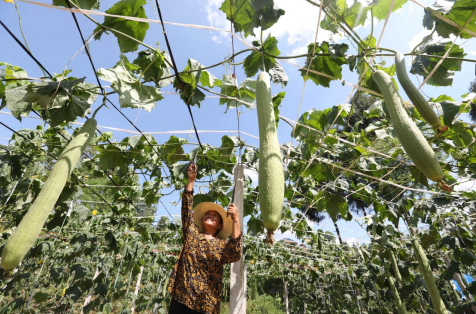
{"points": [[305, 81], [447, 51], [45, 152], [41, 66]]}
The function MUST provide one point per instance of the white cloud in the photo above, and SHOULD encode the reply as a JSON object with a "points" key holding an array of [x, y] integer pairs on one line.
{"points": [[216, 39], [217, 18], [466, 186], [473, 53], [297, 27], [418, 38], [352, 241]]}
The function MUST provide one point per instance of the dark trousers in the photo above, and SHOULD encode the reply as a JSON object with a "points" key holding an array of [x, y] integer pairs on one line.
{"points": [[180, 308]]}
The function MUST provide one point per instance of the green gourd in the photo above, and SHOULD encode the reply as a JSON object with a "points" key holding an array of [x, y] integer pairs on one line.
{"points": [[27, 232], [398, 302], [271, 173], [435, 297], [415, 96], [411, 138], [393, 260]]}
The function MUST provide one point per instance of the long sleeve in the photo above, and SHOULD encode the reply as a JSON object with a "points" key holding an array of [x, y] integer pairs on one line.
{"points": [[187, 216], [232, 250]]}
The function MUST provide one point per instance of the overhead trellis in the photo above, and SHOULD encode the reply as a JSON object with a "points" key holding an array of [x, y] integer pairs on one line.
{"points": [[356, 171]]}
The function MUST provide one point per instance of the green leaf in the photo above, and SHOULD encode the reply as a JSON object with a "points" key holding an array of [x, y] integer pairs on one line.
{"points": [[367, 81], [450, 110], [331, 21], [459, 13], [381, 8], [443, 76], [418, 176], [278, 76], [40, 296], [15, 101], [277, 99], [200, 198], [465, 256], [82, 211], [111, 157], [173, 150], [254, 62], [250, 14], [331, 65], [471, 288], [223, 157], [153, 67], [131, 92], [83, 4], [137, 30], [335, 205], [189, 92], [356, 15], [450, 271], [79, 104], [246, 92]]}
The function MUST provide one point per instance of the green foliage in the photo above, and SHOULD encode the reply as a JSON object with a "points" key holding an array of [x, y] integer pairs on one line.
{"points": [[263, 57], [83, 4], [192, 77], [459, 13], [444, 74], [133, 29], [132, 93], [265, 304], [330, 64], [342, 161], [247, 15]]}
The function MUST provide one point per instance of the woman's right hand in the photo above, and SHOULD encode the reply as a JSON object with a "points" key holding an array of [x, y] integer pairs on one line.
{"points": [[192, 172]]}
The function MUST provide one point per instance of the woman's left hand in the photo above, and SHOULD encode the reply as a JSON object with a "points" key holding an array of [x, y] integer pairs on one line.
{"points": [[233, 212]]}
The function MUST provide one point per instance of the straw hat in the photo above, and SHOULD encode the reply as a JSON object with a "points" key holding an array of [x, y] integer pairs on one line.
{"points": [[204, 207]]}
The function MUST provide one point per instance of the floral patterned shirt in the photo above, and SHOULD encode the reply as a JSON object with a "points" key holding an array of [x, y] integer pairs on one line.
{"points": [[196, 279]]}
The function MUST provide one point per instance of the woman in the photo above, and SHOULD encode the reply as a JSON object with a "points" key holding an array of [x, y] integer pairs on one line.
{"points": [[196, 280]]}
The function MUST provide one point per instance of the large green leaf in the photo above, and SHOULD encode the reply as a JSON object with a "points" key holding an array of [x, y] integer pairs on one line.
{"points": [[153, 67], [80, 101], [380, 8], [58, 101], [111, 157], [255, 61], [137, 30], [339, 12], [188, 89], [443, 76], [131, 92], [459, 13], [83, 4], [15, 101], [335, 205], [173, 150], [246, 92], [330, 64], [250, 14]]}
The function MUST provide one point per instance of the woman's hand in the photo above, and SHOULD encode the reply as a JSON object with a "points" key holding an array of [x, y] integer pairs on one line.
{"points": [[192, 175], [233, 212], [192, 172]]}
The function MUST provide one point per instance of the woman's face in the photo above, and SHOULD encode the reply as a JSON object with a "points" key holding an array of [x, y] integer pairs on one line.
{"points": [[212, 220]]}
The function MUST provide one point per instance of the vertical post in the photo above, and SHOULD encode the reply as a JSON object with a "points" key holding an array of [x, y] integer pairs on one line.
{"points": [[136, 292], [238, 270], [91, 290], [286, 297]]}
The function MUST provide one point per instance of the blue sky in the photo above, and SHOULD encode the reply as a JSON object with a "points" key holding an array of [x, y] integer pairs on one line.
{"points": [[54, 40]]}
